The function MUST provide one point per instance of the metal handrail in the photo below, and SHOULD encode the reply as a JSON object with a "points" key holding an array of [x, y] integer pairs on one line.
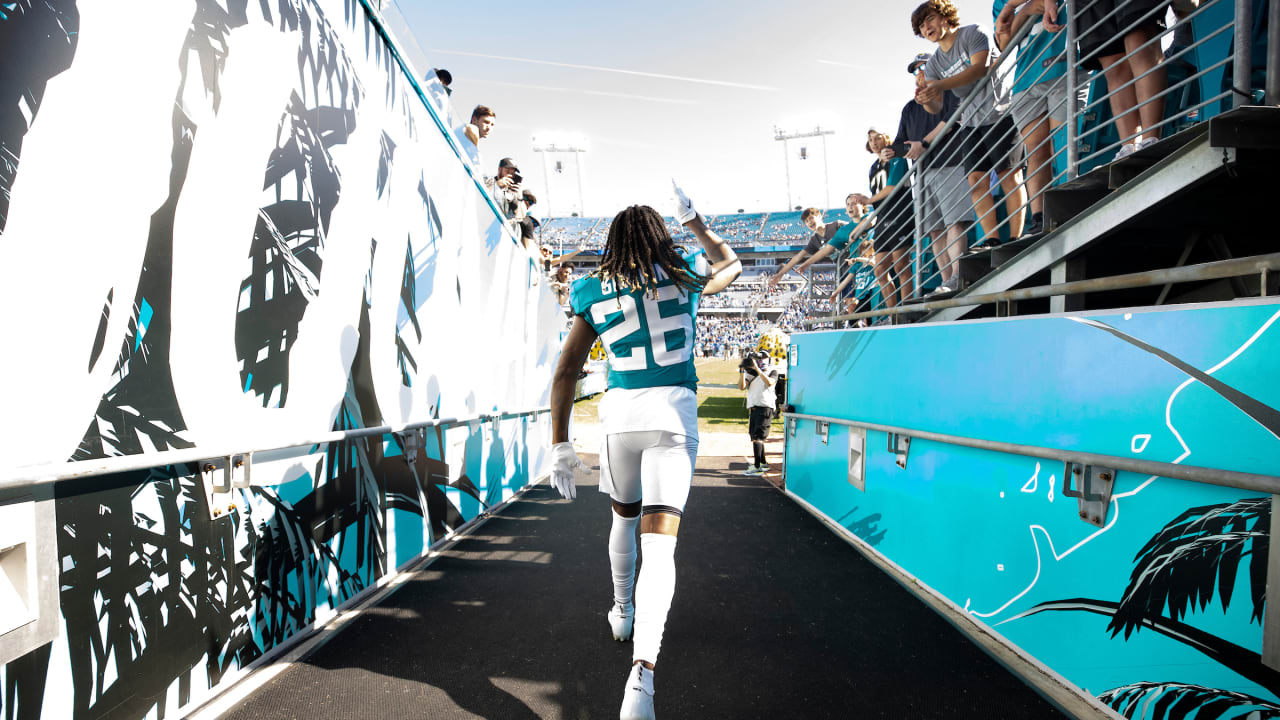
{"points": [[1210, 476], [33, 475], [947, 153], [1188, 273]]}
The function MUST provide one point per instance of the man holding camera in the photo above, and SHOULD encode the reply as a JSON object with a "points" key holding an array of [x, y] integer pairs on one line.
{"points": [[506, 190], [757, 376]]}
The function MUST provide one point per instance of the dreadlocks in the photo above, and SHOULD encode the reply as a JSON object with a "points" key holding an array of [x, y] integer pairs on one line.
{"points": [[639, 241]]}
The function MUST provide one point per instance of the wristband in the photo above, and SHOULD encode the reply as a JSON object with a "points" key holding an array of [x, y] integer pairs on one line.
{"points": [[925, 144]]}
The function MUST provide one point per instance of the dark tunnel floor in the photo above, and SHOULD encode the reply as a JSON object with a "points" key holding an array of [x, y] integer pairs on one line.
{"points": [[774, 617]]}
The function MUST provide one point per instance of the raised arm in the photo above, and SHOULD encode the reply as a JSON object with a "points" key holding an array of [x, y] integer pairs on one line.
{"points": [[823, 251], [795, 260], [725, 266]]}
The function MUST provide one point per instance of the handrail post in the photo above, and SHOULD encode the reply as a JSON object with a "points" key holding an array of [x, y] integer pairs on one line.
{"points": [[1073, 112], [1241, 81], [1273, 54], [917, 203]]}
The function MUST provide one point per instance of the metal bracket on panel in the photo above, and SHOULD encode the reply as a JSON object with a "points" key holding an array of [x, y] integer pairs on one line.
{"points": [[900, 445], [791, 427], [411, 442], [219, 476], [1094, 495], [824, 430]]}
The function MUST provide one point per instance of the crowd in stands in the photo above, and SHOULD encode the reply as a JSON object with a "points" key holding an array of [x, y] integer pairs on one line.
{"points": [[725, 337], [978, 142]]}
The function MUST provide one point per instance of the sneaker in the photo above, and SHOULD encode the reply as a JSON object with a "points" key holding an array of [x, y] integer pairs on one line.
{"points": [[753, 470], [985, 244], [1126, 150], [621, 618], [940, 290], [637, 700], [1035, 228], [1145, 143]]}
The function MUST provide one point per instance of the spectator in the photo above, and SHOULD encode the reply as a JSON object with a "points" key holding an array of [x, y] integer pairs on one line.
{"points": [[529, 224], [1040, 104], [944, 212], [506, 190], [756, 375], [985, 135], [446, 79], [822, 232], [892, 220], [561, 281], [858, 287], [1183, 34], [1137, 106], [857, 212], [482, 121]]}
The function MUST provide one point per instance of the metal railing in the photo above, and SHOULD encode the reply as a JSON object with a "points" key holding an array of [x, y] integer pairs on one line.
{"points": [[33, 475], [1259, 265], [1255, 482], [902, 271]]}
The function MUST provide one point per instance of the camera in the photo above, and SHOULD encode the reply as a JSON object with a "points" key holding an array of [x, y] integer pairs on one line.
{"points": [[760, 357], [517, 178]]}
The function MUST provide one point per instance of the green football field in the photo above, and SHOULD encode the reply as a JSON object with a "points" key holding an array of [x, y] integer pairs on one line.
{"points": [[719, 409]]}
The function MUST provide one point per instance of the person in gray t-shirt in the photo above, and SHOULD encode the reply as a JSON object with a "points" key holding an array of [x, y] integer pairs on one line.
{"points": [[950, 63], [986, 137]]}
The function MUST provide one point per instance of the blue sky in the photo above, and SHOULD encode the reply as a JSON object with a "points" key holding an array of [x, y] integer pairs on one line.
{"points": [[690, 89]]}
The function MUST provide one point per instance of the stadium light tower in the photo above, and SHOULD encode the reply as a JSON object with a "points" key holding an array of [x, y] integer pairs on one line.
{"points": [[553, 145], [818, 132]]}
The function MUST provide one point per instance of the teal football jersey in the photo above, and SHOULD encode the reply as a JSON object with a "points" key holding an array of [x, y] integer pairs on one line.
{"points": [[649, 339]]}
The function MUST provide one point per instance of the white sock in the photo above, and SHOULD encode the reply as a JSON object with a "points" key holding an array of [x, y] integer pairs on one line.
{"points": [[646, 680], [653, 596], [622, 556]]}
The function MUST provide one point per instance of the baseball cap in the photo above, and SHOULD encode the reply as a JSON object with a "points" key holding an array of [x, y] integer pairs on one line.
{"points": [[917, 61], [508, 163]]}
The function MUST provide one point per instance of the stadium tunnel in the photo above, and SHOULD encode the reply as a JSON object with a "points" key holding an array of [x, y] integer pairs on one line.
{"points": [[254, 479]]}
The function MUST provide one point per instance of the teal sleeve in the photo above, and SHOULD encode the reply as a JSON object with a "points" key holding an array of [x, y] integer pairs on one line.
{"points": [[897, 170], [578, 296], [841, 239]]}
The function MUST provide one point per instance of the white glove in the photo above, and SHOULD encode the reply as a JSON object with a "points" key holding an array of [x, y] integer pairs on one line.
{"points": [[684, 211], [563, 461]]}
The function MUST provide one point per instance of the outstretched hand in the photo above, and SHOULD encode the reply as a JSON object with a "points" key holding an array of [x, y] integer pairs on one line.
{"points": [[684, 211]]}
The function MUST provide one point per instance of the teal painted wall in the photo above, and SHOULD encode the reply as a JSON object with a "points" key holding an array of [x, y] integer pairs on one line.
{"points": [[993, 532]]}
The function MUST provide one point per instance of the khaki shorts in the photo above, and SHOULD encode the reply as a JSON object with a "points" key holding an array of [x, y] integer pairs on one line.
{"points": [[946, 198], [1046, 99]]}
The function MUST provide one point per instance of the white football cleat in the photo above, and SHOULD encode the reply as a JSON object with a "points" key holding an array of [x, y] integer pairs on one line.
{"points": [[637, 701], [621, 618]]}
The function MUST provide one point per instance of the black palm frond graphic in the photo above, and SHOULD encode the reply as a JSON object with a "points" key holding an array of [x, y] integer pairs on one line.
{"points": [[1174, 701], [1194, 557], [1196, 554]]}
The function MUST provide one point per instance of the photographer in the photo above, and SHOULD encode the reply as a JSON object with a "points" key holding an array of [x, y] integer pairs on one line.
{"points": [[757, 376], [506, 190]]}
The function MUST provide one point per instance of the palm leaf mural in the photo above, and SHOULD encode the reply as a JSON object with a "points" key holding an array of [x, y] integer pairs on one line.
{"points": [[1198, 552], [1193, 558], [1173, 701], [44, 34]]}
